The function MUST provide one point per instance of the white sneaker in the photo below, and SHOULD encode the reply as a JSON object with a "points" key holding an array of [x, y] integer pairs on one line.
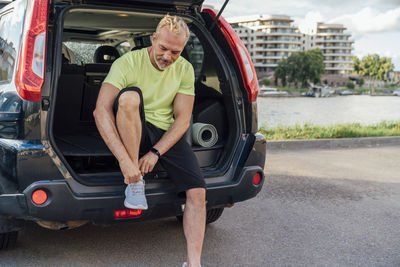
{"points": [[135, 197]]}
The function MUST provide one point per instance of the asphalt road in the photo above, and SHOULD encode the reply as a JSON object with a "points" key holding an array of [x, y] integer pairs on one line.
{"points": [[317, 208]]}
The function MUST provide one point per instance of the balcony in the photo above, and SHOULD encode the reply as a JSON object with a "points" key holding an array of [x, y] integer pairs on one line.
{"points": [[341, 47], [338, 61], [258, 49], [298, 42], [284, 34], [254, 57], [339, 68], [265, 65], [330, 54], [334, 34], [322, 41], [275, 57], [288, 49]]}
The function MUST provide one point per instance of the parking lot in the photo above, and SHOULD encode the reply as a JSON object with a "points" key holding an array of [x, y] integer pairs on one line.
{"points": [[317, 208]]}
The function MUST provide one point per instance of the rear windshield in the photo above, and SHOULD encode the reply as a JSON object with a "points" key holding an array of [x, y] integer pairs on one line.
{"points": [[83, 52]]}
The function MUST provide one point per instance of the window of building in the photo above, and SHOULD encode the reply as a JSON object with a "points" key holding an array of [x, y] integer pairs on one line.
{"points": [[10, 35]]}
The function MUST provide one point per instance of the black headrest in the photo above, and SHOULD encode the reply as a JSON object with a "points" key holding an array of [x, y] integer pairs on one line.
{"points": [[105, 54]]}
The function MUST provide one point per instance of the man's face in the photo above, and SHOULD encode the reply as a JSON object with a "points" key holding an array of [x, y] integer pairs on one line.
{"points": [[167, 47]]}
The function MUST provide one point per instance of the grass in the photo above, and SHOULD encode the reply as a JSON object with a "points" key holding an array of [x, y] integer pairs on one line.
{"points": [[351, 130]]}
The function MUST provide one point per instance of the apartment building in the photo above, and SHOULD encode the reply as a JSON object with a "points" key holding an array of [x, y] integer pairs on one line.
{"points": [[336, 46], [268, 39], [271, 38]]}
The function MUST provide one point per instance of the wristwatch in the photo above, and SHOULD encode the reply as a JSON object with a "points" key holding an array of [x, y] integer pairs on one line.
{"points": [[155, 151]]}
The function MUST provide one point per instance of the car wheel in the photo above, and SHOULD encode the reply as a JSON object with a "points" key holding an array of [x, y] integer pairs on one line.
{"points": [[8, 240], [212, 215]]}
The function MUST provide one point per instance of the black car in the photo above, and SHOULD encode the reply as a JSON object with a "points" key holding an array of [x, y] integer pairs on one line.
{"points": [[55, 168]]}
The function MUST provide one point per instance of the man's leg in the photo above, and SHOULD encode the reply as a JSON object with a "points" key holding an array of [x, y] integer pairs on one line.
{"points": [[183, 168], [194, 224], [129, 123]]}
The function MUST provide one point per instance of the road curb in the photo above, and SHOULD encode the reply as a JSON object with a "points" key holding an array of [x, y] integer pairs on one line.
{"points": [[334, 143]]}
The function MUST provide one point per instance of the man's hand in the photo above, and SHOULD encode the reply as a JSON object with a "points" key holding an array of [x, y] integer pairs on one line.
{"points": [[147, 162], [130, 171]]}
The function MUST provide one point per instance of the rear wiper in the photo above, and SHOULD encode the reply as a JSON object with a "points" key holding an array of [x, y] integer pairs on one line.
{"points": [[219, 14]]}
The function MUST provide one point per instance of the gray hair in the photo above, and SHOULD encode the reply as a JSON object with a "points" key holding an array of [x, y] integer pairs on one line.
{"points": [[174, 24]]}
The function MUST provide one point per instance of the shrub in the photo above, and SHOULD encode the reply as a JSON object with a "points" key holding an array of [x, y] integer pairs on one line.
{"points": [[350, 85], [266, 81]]}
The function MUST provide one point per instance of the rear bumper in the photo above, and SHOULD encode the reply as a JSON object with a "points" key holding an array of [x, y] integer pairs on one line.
{"points": [[69, 200], [64, 205]]}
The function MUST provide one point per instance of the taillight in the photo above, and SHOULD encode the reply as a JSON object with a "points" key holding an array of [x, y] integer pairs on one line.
{"points": [[241, 54], [128, 213], [29, 78]]}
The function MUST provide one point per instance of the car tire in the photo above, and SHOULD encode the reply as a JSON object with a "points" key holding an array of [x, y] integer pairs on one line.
{"points": [[8, 240], [212, 215]]}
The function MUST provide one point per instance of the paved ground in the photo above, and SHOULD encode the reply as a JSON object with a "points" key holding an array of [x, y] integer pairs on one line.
{"points": [[317, 208]]}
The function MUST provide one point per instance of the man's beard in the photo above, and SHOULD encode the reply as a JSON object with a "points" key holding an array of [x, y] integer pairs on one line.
{"points": [[161, 67]]}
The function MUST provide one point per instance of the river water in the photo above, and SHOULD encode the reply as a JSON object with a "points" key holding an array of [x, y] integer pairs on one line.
{"points": [[364, 109]]}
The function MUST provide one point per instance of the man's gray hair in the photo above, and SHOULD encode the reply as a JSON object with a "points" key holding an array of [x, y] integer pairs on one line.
{"points": [[174, 24]]}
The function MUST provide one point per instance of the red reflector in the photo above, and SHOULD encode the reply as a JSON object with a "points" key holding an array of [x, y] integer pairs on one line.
{"points": [[257, 178], [39, 197], [127, 213]]}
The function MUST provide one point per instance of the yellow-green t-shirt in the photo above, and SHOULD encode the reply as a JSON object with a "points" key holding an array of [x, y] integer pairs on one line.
{"points": [[158, 87]]}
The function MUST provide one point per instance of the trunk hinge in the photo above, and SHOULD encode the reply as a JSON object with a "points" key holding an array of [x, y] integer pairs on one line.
{"points": [[45, 103], [239, 102], [182, 9]]}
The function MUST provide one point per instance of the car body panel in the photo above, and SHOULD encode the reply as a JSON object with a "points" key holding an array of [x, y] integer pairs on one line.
{"points": [[30, 161]]}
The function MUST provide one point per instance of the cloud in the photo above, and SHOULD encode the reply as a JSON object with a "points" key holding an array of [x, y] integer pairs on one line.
{"points": [[369, 20], [236, 8], [309, 21]]}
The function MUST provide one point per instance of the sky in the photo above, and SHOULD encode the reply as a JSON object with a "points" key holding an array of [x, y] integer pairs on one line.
{"points": [[374, 24]]}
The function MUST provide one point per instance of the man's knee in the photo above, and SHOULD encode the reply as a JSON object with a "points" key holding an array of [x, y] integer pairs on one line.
{"points": [[196, 196], [129, 101]]}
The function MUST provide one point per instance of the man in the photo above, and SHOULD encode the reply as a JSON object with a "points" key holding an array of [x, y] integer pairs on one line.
{"points": [[145, 104]]}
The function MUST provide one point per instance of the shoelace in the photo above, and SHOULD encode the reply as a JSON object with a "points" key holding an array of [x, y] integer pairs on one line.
{"points": [[137, 188]]}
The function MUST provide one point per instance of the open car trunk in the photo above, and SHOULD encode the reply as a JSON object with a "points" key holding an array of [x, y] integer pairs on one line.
{"points": [[74, 133]]}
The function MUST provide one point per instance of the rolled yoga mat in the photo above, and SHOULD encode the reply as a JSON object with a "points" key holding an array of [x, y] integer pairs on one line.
{"points": [[204, 135]]}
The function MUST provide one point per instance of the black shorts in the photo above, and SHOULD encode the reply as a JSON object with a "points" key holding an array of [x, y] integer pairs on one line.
{"points": [[179, 161]]}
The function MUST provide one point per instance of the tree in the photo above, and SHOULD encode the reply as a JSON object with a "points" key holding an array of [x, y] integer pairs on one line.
{"points": [[281, 72], [301, 67], [360, 82], [316, 65], [373, 66], [356, 64]]}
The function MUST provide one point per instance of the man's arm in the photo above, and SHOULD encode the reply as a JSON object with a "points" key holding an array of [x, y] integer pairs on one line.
{"points": [[105, 122], [183, 106]]}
